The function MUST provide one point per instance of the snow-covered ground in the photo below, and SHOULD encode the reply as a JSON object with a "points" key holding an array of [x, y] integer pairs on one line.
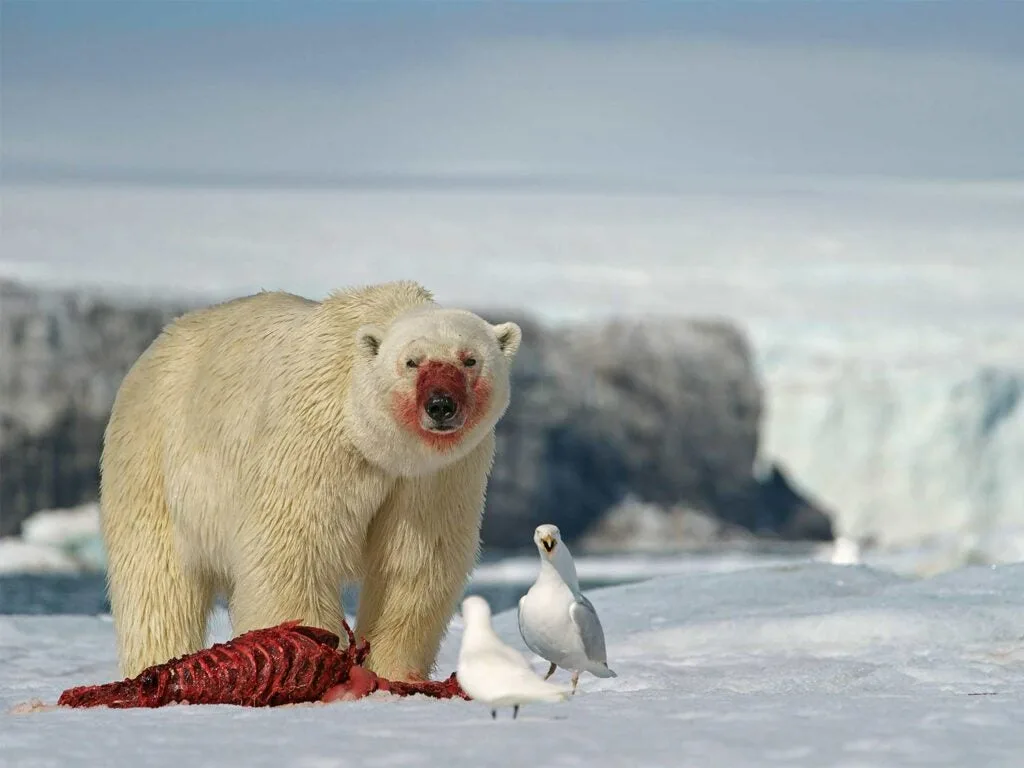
{"points": [[795, 665]]}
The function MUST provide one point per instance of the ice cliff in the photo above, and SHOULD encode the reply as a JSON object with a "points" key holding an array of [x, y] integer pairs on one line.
{"points": [[911, 436]]}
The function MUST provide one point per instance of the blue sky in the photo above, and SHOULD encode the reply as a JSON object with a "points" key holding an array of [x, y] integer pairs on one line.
{"points": [[651, 91]]}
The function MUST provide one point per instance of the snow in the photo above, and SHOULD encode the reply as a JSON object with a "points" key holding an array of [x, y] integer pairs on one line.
{"points": [[62, 527], [800, 665], [55, 540], [845, 551]]}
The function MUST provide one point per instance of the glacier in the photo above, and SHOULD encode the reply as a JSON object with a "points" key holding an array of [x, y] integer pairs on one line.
{"points": [[912, 437]]}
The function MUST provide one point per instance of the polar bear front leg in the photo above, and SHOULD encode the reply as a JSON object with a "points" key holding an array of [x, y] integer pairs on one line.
{"points": [[279, 583], [420, 550]]}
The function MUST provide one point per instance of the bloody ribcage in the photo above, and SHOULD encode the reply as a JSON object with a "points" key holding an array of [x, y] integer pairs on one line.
{"points": [[267, 667], [286, 664]]}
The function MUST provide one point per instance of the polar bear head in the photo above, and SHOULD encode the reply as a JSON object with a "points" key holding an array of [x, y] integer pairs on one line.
{"points": [[426, 389]]}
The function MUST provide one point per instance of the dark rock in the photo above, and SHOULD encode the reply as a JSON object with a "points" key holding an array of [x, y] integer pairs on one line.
{"points": [[664, 410], [789, 512], [646, 527], [51, 469], [63, 357]]}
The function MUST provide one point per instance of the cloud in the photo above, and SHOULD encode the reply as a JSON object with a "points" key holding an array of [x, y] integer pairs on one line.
{"points": [[654, 97]]}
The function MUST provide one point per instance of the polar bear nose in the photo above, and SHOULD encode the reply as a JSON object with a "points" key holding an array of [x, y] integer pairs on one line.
{"points": [[440, 407]]}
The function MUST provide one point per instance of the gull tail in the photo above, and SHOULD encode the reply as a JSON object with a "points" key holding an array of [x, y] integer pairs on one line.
{"points": [[602, 670]]}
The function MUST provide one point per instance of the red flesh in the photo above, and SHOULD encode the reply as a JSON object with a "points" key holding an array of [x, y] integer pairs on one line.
{"points": [[286, 664]]}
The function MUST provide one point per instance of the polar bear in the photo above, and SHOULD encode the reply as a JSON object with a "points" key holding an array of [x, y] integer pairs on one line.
{"points": [[273, 448]]}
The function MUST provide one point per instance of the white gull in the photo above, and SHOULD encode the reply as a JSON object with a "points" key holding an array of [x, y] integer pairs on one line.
{"points": [[493, 673], [556, 621]]}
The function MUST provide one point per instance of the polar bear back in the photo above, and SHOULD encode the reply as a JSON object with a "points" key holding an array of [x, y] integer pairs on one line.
{"points": [[242, 399]]}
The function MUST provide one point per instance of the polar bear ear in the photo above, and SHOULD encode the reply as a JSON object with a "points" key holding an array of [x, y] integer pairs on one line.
{"points": [[368, 339], [509, 337]]}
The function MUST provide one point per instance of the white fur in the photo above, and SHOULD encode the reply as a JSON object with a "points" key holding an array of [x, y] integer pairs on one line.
{"points": [[251, 451], [422, 332]]}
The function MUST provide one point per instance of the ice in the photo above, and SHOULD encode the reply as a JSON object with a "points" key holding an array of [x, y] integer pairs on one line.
{"points": [[62, 527], [909, 435], [20, 556], [56, 540], [798, 665], [845, 551]]}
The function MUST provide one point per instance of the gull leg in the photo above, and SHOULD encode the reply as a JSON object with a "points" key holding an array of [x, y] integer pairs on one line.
{"points": [[575, 681], [515, 711], [551, 670], [494, 714]]}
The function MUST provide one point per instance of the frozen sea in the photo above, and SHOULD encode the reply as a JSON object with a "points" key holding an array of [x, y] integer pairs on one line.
{"points": [[57, 566]]}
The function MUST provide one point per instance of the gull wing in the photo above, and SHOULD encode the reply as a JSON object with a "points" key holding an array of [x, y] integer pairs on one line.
{"points": [[584, 616]]}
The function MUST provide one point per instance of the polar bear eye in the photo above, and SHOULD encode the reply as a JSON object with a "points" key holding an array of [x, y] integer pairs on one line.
{"points": [[410, 363], [469, 362]]}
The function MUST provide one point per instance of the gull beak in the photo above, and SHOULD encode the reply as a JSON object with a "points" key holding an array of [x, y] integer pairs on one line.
{"points": [[548, 542]]}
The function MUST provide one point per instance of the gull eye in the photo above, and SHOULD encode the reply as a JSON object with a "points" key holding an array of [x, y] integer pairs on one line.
{"points": [[410, 363], [469, 362]]}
